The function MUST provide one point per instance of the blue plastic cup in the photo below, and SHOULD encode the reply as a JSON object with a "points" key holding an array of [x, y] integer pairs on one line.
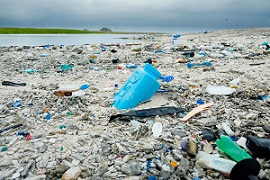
{"points": [[141, 86]]}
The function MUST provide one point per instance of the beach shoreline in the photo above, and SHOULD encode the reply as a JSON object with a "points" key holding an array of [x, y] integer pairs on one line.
{"points": [[74, 133]]}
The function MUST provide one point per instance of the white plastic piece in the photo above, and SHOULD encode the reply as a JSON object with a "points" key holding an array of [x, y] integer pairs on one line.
{"points": [[242, 142], [215, 55], [227, 129], [176, 42], [157, 129], [135, 123], [78, 93], [219, 90], [235, 82], [108, 89]]}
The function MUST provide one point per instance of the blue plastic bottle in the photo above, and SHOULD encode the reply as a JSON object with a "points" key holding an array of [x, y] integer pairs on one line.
{"points": [[141, 86]]}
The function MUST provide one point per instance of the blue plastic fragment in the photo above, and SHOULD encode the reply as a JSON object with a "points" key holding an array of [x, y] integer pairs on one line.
{"points": [[203, 53], [159, 51], [181, 87], [4, 149], [131, 66], [17, 104], [263, 97], [85, 86], [190, 65], [162, 90], [48, 116], [233, 138], [152, 177], [21, 133], [30, 71], [167, 78], [148, 165], [43, 55], [176, 36], [163, 146], [30, 104], [199, 101]]}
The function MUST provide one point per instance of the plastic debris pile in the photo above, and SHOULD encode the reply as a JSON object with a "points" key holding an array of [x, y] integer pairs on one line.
{"points": [[208, 119]]}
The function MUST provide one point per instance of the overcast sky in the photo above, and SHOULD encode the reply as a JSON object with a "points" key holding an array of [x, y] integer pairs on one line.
{"points": [[129, 15]]}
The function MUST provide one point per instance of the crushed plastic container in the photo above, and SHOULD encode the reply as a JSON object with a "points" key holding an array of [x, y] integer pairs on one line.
{"points": [[141, 86]]}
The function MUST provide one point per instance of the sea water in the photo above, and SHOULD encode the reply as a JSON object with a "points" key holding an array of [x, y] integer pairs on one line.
{"points": [[65, 39]]}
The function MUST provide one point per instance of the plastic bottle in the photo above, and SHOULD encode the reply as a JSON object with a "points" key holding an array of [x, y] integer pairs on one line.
{"points": [[228, 146], [206, 160]]}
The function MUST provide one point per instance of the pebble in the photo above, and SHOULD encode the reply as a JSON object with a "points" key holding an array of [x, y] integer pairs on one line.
{"points": [[266, 128], [131, 169], [75, 162], [79, 142], [191, 148], [16, 175], [72, 173]]}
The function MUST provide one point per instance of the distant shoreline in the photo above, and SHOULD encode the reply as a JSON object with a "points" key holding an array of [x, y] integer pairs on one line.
{"points": [[8, 30]]}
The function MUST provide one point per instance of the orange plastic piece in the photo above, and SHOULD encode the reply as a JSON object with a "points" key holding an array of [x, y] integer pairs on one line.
{"points": [[63, 92], [197, 110], [174, 164], [46, 110]]}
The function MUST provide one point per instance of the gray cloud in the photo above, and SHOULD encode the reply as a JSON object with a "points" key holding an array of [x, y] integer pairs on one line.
{"points": [[139, 14]]}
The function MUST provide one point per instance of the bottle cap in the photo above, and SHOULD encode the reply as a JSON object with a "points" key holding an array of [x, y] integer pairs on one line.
{"points": [[208, 148]]}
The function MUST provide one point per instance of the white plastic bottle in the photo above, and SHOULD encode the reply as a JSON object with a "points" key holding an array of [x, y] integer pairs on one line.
{"points": [[206, 160]]}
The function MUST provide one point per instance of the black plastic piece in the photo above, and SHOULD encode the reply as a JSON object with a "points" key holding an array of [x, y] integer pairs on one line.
{"points": [[260, 147], [149, 112], [208, 135], [11, 127], [9, 83], [246, 169]]}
